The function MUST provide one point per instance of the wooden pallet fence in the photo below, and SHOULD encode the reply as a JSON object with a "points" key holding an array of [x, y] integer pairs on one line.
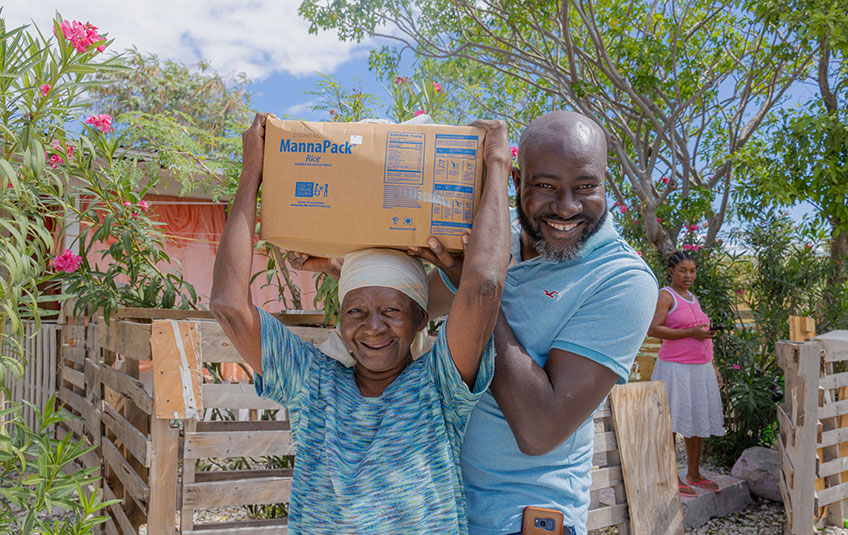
{"points": [[41, 348], [813, 438], [173, 440], [646, 358]]}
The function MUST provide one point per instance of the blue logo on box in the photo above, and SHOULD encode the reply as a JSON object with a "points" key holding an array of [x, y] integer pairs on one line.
{"points": [[304, 189]]}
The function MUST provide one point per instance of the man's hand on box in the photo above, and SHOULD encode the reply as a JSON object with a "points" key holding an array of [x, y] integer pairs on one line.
{"points": [[253, 147], [450, 264], [305, 262], [496, 146]]}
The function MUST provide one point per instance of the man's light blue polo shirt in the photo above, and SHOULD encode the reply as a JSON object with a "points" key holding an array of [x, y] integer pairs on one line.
{"points": [[598, 306]]}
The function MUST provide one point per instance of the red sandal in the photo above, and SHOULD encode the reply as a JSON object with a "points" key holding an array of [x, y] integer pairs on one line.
{"points": [[686, 491], [705, 484]]}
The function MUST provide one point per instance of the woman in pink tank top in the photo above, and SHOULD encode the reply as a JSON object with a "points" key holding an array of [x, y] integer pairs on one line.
{"points": [[686, 366]]}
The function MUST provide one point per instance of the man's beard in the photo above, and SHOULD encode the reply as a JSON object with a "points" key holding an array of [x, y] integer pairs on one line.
{"points": [[547, 250]]}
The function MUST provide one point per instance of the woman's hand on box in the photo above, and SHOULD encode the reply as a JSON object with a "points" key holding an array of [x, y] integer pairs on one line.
{"points": [[253, 147], [450, 264]]}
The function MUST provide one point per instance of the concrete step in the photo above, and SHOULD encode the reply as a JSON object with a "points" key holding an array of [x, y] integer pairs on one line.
{"points": [[732, 496]]}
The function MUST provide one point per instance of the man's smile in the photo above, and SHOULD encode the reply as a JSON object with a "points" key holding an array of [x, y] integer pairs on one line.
{"points": [[561, 226]]}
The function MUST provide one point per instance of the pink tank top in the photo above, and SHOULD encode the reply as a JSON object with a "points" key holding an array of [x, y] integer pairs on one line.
{"points": [[683, 315]]}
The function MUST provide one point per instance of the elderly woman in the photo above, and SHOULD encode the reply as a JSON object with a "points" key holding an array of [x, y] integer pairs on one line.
{"points": [[376, 444]]}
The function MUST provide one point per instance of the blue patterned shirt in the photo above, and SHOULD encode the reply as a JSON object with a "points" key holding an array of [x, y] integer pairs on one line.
{"points": [[383, 465]]}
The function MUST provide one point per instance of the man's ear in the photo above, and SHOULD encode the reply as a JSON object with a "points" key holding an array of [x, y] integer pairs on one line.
{"points": [[515, 173]]}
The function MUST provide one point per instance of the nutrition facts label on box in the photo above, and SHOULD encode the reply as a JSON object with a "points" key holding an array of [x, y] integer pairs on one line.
{"points": [[404, 158], [453, 183]]}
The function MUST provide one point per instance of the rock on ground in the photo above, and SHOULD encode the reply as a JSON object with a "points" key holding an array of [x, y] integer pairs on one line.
{"points": [[760, 467]]}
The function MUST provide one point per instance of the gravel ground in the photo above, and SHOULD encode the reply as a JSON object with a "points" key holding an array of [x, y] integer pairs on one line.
{"points": [[762, 517]]}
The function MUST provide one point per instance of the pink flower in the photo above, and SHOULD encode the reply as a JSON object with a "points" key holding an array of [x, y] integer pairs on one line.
{"points": [[102, 122], [400, 80], [696, 247], [687, 247], [659, 220], [44, 88], [623, 209], [67, 261], [144, 205], [665, 180], [82, 36], [737, 367], [514, 151], [739, 291], [437, 86], [417, 113], [128, 204], [70, 151], [639, 253], [809, 246]]}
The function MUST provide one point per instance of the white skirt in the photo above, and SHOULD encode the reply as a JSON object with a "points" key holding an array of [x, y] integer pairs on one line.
{"points": [[693, 397]]}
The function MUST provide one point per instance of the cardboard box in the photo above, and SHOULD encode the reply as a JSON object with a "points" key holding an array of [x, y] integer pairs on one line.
{"points": [[332, 188]]}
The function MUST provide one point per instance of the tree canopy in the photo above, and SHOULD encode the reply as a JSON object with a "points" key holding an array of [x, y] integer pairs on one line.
{"points": [[678, 87]]}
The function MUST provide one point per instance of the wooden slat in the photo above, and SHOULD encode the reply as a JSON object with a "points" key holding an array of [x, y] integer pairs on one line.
{"points": [[612, 515], [230, 426], [277, 526], [73, 376], [605, 442], [127, 386], [243, 444], [132, 482], [127, 338], [214, 344], [229, 475], [606, 477], [74, 354], [118, 512], [135, 441], [267, 490], [835, 380], [647, 459], [836, 408], [829, 438], [175, 347], [73, 332], [832, 494], [163, 477], [90, 415], [235, 396], [833, 467], [216, 347]]}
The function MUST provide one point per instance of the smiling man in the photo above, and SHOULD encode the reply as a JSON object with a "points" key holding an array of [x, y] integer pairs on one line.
{"points": [[576, 305]]}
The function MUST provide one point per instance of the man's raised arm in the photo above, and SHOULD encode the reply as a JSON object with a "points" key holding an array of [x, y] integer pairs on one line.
{"points": [[230, 301], [474, 309]]}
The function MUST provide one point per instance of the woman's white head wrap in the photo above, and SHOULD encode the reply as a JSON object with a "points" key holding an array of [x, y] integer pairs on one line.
{"points": [[378, 267]]}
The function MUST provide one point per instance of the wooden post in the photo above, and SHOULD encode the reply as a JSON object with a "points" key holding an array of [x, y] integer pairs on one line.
{"points": [[163, 478], [643, 427], [801, 328]]}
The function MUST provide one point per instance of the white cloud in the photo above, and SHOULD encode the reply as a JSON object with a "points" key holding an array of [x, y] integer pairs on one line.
{"points": [[257, 37]]}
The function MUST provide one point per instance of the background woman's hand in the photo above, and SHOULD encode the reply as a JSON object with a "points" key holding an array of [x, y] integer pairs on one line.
{"points": [[701, 331]]}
